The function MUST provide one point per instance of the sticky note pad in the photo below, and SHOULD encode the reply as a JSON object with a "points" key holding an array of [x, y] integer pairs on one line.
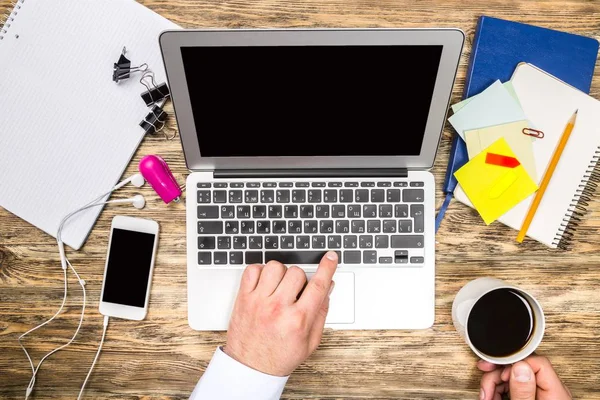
{"points": [[494, 106], [494, 189], [522, 145], [507, 85]]}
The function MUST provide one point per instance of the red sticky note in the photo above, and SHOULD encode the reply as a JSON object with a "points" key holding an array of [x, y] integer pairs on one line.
{"points": [[503, 161]]}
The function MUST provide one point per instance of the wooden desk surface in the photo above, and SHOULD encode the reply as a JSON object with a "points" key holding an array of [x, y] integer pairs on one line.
{"points": [[162, 357]]}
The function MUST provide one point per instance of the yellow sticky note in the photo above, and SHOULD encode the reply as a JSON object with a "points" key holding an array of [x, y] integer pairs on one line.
{"points": [[521, 144], [494, 189]]}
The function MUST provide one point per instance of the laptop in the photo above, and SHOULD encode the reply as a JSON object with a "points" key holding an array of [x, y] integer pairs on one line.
{"points": [[309, 140]]}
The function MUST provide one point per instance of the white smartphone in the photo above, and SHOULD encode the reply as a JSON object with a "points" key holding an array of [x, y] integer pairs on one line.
{"points": [[129, 266]]}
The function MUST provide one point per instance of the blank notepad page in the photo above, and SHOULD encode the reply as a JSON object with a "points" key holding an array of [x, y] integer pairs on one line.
{"points": [[67, 131]]}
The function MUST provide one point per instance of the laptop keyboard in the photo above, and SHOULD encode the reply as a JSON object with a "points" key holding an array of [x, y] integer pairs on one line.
{"points": [[365, 222]]}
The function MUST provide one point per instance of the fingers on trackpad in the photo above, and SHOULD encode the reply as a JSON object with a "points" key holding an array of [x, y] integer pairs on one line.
{"points": [[341, 305]]}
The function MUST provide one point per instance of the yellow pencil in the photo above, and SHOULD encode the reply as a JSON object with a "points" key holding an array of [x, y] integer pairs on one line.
{"points": [[546, 179]]}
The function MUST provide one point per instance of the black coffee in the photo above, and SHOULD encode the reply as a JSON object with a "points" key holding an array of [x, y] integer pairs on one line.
{"points": [[501, 323]]}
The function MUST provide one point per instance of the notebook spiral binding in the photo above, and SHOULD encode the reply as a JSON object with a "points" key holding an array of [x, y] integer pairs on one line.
{"points": [[579, 204], [7, 19]]}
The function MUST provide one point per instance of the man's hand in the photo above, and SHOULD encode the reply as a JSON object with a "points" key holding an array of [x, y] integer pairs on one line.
{"points": [[272, 329], [530, 379]]}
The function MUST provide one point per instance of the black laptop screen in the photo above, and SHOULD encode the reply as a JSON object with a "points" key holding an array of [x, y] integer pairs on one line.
{"points": [[310, 100]]}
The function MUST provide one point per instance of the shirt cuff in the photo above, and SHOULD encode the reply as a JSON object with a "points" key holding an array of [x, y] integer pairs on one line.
{"points": [[227, 379]]}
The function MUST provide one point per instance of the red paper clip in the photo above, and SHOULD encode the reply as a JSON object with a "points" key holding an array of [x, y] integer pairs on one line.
{"points": [[533, 132], [503, 161]]}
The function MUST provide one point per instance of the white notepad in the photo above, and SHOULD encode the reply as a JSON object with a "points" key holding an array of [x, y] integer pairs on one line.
{"points": [[67, 131], [549, 103]]}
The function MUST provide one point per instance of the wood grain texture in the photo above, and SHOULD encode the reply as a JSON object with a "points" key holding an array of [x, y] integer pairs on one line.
{"points": [[162, 357]]}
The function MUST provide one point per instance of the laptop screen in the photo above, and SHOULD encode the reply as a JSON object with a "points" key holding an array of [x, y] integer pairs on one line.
{"points": [[277, 101]]}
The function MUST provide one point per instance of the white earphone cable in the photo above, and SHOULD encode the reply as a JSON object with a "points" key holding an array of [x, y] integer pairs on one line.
{"points": [[33, 368], [81, 282], [93, 203], [105, 323], [87, 206]]}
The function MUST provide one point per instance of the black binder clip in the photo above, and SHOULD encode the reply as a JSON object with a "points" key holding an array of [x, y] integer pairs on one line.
{"points": [[122, 69], [155, 93], [155, 120]]}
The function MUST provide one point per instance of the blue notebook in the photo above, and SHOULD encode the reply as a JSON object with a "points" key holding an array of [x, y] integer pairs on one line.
{"points": [[498, 47]]}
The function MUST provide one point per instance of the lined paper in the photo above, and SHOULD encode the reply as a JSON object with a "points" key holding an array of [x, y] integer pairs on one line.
{"points": [[67, 131]]}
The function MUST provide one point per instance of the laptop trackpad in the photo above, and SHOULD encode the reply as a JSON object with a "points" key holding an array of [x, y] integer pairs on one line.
{"points": [[341, 302]]}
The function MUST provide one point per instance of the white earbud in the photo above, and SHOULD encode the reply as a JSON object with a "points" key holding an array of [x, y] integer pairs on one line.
{"points": [[136, 180], [138, 201]]}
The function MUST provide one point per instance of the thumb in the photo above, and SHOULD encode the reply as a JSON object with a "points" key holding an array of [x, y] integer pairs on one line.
{"points": [[522, 382]]}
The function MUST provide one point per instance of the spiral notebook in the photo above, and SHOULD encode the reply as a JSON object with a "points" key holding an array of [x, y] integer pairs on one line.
{"points": [[548, 104], [67, 131]]}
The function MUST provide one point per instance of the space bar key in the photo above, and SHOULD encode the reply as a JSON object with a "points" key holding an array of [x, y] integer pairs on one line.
{"points": [[297, 257]]}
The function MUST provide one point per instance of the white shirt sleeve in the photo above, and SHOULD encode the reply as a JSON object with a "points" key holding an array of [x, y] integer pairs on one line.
{"points": [[227, 379]]}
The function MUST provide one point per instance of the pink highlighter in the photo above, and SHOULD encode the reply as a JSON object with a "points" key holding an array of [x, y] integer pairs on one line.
{"points": [[157, 173]]}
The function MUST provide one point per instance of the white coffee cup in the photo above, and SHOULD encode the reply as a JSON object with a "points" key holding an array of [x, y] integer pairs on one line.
{"points": [[470, 294]]}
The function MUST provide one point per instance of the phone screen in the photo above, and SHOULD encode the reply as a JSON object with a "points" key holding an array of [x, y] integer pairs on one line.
{"points": [[128, 267]]}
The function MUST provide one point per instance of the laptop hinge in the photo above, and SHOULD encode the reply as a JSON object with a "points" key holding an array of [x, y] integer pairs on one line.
{"points": [[312, 173]]}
